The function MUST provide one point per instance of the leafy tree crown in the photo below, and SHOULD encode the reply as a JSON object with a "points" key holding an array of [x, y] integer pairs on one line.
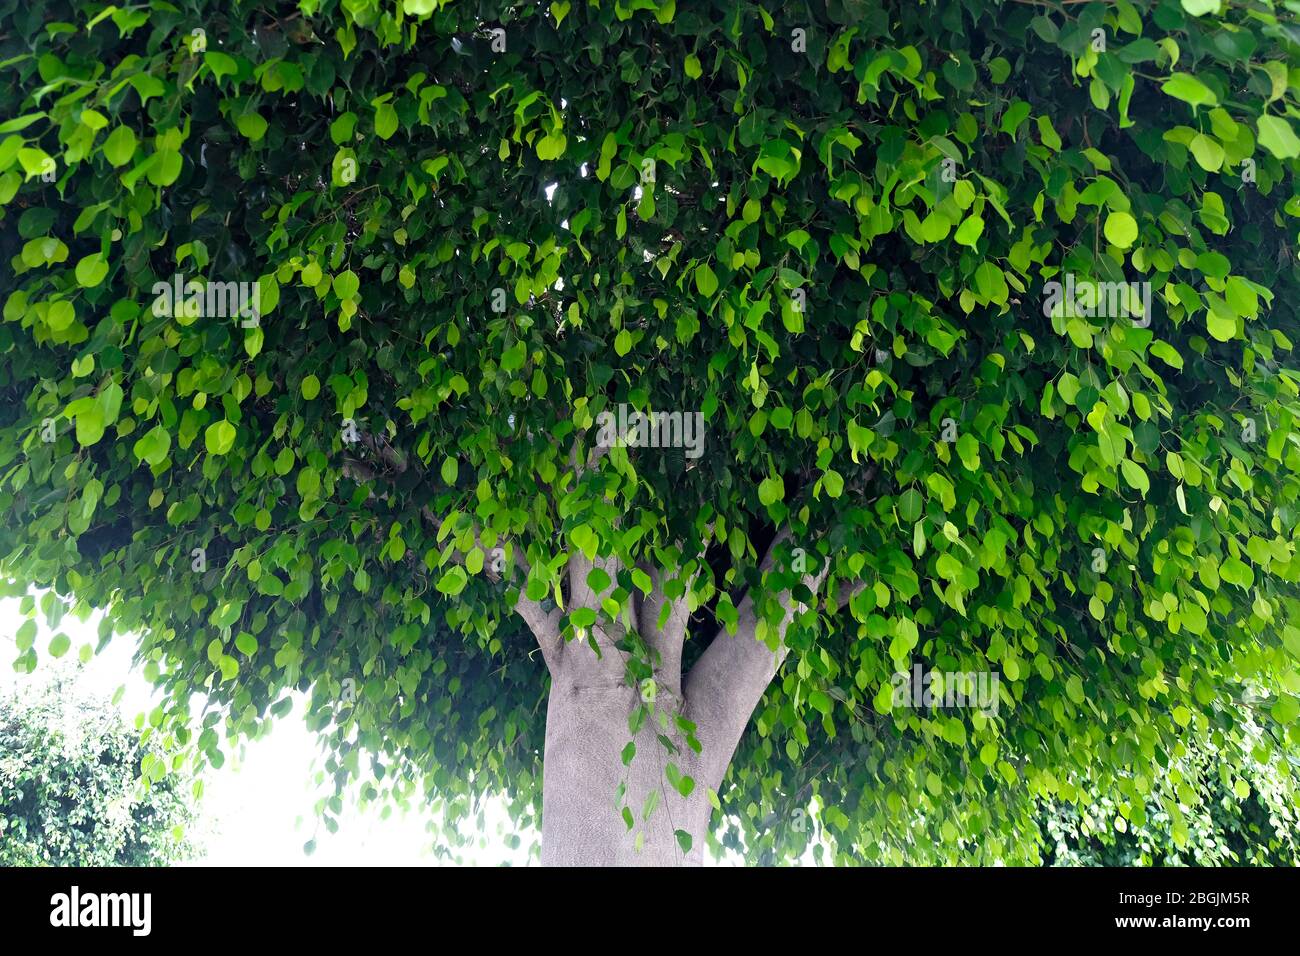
{"points": [[313, 314]]}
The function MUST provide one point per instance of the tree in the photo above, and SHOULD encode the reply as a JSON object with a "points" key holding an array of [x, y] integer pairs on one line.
{"points": [[78, 786], [1240, 815], [966, 327]]}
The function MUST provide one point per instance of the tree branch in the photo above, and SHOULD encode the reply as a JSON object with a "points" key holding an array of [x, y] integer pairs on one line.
{"points": [[847, 591], [544, 624], [730, 678], [580, 566], [667, 641]]}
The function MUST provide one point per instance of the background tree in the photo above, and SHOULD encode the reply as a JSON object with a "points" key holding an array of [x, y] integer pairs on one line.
{"points": [[830, 229], [1233, 814], [79, 787]]}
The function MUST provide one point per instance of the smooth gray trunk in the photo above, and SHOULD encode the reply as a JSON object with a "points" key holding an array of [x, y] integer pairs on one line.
{"points": [[590, 703], [586, 731]]}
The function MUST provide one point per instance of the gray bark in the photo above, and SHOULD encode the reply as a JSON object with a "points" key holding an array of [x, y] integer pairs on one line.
{"points": [[587, 729]]}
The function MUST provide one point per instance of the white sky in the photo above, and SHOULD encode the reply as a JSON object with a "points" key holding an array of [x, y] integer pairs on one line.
{"points": [[258, 811]]}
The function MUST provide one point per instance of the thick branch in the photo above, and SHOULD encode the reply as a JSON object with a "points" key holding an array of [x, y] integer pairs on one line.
{"points": [[666, 641], [729, 679], [847, 591], [580, 566], [545, 625]]}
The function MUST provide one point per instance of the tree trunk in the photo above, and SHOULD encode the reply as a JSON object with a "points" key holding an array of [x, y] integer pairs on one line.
{"points": [[582, 822], [586, 786]]}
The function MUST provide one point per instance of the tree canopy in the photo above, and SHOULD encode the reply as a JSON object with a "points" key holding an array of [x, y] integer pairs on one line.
{"points": [[863, 241]]}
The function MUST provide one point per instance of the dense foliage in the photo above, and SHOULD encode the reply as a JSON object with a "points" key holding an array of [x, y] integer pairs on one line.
{"points": [[830, 228], [76, 787], [1238, 814]]}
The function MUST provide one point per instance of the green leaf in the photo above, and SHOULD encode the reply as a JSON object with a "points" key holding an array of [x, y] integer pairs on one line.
{"points": [[1235, 571], [969, 231], [833, 482], [385, 121], [512, 360], [153, 446], [771, 490], [453, 581], [120, 146], [91, 270], [706, 283], [991, 282], [1047, 133], [166, 167], [1074, 689], [1221, 327], [598, 580], [61, 315], [1278, 137], [308, 483], [821, 701], [968, 451], [90, 425], [909, 505], [1207, 152], [343, 128], [59, 645], [219, 437], [1121, 229], [473, 560], [1135, 476], [685, 785], [252, 125], [346, 284], [1016, 114], [1167, 353], [109, 401], [1189, 89], [220, 64]]}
